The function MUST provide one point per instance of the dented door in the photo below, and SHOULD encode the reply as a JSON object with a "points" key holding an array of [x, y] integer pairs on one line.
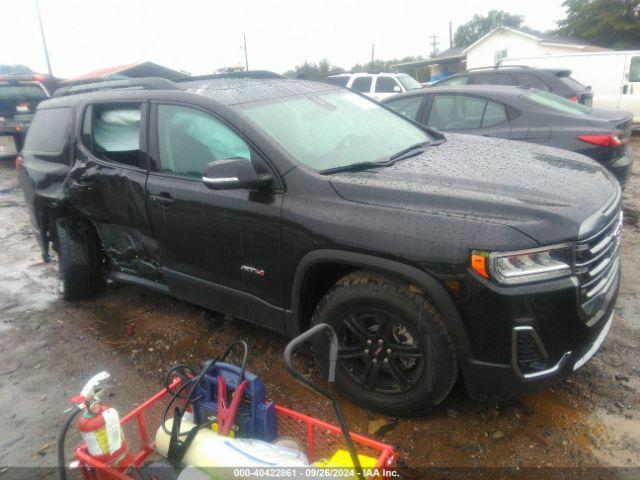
{"points": [[108, 185]]}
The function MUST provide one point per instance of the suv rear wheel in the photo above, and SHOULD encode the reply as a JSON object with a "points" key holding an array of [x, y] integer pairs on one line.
{"points": [[396, 355], [78, 251]]}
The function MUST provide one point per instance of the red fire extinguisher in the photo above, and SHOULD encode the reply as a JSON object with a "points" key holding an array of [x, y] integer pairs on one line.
{"points": [[100, 427]]}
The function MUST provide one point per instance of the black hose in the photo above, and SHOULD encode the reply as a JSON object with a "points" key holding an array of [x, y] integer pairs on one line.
{"points": [[62, 463]]}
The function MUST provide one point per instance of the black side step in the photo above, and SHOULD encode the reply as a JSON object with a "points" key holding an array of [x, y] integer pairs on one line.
{"points": [[141, 282]]}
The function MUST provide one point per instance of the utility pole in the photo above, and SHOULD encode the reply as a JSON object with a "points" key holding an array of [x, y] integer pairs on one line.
{"points": [[434, 45], [450, 35], [373, 49], [44, 41], [246, 56]]}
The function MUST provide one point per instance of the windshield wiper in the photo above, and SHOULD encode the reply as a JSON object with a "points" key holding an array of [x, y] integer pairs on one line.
{"points": [[355, 167], [405, 152], [359, 166]]}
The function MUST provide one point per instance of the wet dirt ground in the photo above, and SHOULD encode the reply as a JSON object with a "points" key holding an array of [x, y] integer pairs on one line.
{"points": [[589, 424]]}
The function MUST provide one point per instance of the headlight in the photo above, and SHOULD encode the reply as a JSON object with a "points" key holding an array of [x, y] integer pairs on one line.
{"points": [[524, 266]]}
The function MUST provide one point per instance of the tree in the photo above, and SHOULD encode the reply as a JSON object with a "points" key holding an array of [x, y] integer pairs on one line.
{"points": [[480, 25], [17, 69], [314, 71], [606, 23], [381, 65]]}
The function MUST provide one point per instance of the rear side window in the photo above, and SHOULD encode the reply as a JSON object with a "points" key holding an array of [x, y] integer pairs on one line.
{"points": [[530, 80], [112, 132], [362, 84], [48, 131], [386, 85], [462, 112], [494, 114], [456, 112], [573, 84], [407, 107], [454, 81], [496, 79], [339, 81]]}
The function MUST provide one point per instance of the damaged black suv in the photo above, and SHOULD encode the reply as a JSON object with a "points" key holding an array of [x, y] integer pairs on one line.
{"points": [[286, 202]]}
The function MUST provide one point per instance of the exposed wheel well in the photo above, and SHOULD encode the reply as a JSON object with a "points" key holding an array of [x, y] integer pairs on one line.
{"points": [[48, 218], [316, 283]]}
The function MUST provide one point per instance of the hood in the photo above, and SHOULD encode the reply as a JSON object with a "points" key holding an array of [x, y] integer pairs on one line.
{"points": [[544, 192]]}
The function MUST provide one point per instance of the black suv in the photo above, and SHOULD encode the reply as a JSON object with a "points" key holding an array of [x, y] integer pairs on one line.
{"points": [[19, 97], [556, 80], [287, 202]]}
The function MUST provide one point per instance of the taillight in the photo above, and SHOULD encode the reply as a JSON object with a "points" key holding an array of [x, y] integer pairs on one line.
{"points": [[575, 98], [19, 161], [611, 141]]}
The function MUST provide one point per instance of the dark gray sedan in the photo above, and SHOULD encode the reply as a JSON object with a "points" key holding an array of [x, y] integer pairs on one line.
{"points": [[525, 114]]}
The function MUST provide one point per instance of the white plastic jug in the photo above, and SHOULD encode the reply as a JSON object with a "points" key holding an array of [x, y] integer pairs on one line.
{"points": [[209, 449]]}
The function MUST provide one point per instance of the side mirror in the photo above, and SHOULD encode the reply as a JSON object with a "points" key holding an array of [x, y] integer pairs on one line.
{"points": [[234, 173], [397, 89]]}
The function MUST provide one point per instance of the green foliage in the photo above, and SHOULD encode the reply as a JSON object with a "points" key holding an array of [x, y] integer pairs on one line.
{"points": [[381, 65], [314, 71], [17, 69], [606, 23], [324, 68], [480, 25]]}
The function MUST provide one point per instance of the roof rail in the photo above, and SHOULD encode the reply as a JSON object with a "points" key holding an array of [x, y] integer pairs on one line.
{"points": [[252, 74], [146, 83], [496, 67]]}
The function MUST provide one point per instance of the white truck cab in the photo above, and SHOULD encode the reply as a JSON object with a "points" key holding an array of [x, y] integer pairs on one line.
{"points": [[375, 85]]}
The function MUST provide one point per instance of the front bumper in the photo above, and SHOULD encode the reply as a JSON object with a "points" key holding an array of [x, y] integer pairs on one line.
{"points": [[621, 167], [488, 381], [532, 337]]}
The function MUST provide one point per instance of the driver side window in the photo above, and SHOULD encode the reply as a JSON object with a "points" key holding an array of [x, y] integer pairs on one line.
{"points": [[189, 139]]}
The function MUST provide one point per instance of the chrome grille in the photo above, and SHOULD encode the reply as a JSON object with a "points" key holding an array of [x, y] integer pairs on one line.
{"points": [[597, 261]]}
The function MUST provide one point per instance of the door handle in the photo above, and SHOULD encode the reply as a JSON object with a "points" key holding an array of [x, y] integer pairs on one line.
{"points": [[79, 186], [164, 198]]}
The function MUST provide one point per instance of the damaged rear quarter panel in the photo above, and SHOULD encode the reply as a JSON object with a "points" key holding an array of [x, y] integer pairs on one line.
{"points": [[108, 195], [112, 197]]}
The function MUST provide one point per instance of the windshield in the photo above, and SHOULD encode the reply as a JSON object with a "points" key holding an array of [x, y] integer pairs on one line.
{"points": [[556, 102], [333, 129], [20, 98], [408, 82]]}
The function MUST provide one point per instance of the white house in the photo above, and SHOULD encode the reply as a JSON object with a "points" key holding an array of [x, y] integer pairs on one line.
{"points": [[500, 43], [506, 42]]}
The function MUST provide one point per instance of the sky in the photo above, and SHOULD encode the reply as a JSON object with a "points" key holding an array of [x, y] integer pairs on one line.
{"points": [[199, 36]]}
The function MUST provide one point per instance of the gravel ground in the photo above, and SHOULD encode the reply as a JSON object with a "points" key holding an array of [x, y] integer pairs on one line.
{"points": [[588, 424]]}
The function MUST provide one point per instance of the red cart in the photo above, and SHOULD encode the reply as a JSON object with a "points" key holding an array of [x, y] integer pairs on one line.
{"points": [[319, 439]]}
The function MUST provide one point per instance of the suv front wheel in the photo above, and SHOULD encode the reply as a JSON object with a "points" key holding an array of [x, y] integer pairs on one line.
{"points": [[395, 353]]}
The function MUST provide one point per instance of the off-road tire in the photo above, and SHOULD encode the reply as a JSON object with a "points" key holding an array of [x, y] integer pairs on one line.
{"points": [[419, 315], [78, 249]]}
